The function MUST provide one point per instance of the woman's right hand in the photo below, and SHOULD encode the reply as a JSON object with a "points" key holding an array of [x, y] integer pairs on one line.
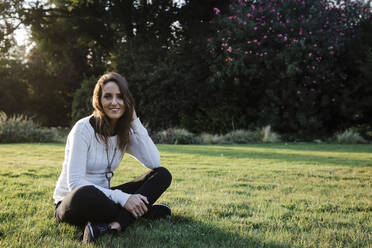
{"points": [[136, 205]]}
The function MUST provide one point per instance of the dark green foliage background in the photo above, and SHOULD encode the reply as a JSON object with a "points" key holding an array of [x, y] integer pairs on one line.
{"points": [[162, 50]]}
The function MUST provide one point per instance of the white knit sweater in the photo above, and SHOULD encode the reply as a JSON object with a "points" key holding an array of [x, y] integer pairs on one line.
{"points": [[86, 160]]}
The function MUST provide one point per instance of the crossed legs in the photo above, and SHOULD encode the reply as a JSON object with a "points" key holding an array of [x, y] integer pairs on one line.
{"points": [[87, 203]]}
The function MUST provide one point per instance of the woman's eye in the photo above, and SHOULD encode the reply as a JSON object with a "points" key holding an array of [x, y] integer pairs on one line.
{"points": [[107, 96]]}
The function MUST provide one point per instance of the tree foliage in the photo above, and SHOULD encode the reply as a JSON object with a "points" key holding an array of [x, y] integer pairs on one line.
{"points": [[204, 65]]}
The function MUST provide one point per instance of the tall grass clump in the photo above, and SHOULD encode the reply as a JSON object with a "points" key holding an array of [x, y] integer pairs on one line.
{"points": [[20, 128], [175, 136], [267, 135], [349, 136], [239, 136]]}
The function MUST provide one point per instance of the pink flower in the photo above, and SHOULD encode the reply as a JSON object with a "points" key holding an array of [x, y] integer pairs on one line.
{"points": [[229, 49], [265, 36], [310, 54], [254, 28], [216, 10]]}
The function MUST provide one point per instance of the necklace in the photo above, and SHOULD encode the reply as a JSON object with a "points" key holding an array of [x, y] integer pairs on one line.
{"points": [[109, 173]]}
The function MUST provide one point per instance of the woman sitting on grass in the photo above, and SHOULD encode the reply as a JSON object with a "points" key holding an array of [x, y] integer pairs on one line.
{"points": [[95, 147]]}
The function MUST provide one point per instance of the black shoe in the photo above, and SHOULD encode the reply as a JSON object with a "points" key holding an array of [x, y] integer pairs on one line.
{"points": [[158, 211], [92, 232]]}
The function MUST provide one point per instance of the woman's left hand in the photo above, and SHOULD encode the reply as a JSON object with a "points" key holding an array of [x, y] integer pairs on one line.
{"points": [[136, 205]]}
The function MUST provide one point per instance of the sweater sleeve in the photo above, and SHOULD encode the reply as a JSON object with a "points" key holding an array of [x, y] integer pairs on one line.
{"points": [[78, 143], [142, 147]]}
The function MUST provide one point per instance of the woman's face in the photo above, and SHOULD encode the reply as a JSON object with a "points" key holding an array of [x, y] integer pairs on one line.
{"points": [[112, 101]]}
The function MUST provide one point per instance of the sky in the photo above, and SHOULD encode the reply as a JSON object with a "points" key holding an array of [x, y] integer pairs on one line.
{"points": [[21, 36]]}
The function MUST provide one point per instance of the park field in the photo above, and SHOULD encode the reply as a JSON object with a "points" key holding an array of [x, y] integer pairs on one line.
{"points": [[282, 195]]}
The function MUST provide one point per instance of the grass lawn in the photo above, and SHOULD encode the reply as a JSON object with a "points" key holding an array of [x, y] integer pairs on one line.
{"points": [[296, 195]]}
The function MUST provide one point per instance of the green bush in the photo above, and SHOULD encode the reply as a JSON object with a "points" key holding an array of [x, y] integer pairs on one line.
{"points": [[239, 137], [349, 136], [282, 63], [82, 99], [20, 128], [266, 135], [206, 138], [175, 136]]}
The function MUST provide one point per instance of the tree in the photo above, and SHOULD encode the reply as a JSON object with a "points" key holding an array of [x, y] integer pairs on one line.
{"points": [[14, 88]]}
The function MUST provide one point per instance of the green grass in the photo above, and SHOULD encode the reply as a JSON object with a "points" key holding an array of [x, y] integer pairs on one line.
{"points": [[297, 195]]}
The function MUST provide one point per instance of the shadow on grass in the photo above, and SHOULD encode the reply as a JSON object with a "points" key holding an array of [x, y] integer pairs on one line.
{"points": [[262, 152], [180, 231]]}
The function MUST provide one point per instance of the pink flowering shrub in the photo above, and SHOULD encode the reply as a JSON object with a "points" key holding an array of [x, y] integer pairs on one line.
{"points": [[281, 60]]}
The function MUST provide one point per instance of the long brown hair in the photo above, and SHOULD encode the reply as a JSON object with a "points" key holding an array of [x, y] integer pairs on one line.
{"points": [[103, 127]]}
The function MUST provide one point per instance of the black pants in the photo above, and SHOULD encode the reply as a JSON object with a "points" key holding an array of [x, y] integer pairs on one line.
{"points": [[87, 203]]}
